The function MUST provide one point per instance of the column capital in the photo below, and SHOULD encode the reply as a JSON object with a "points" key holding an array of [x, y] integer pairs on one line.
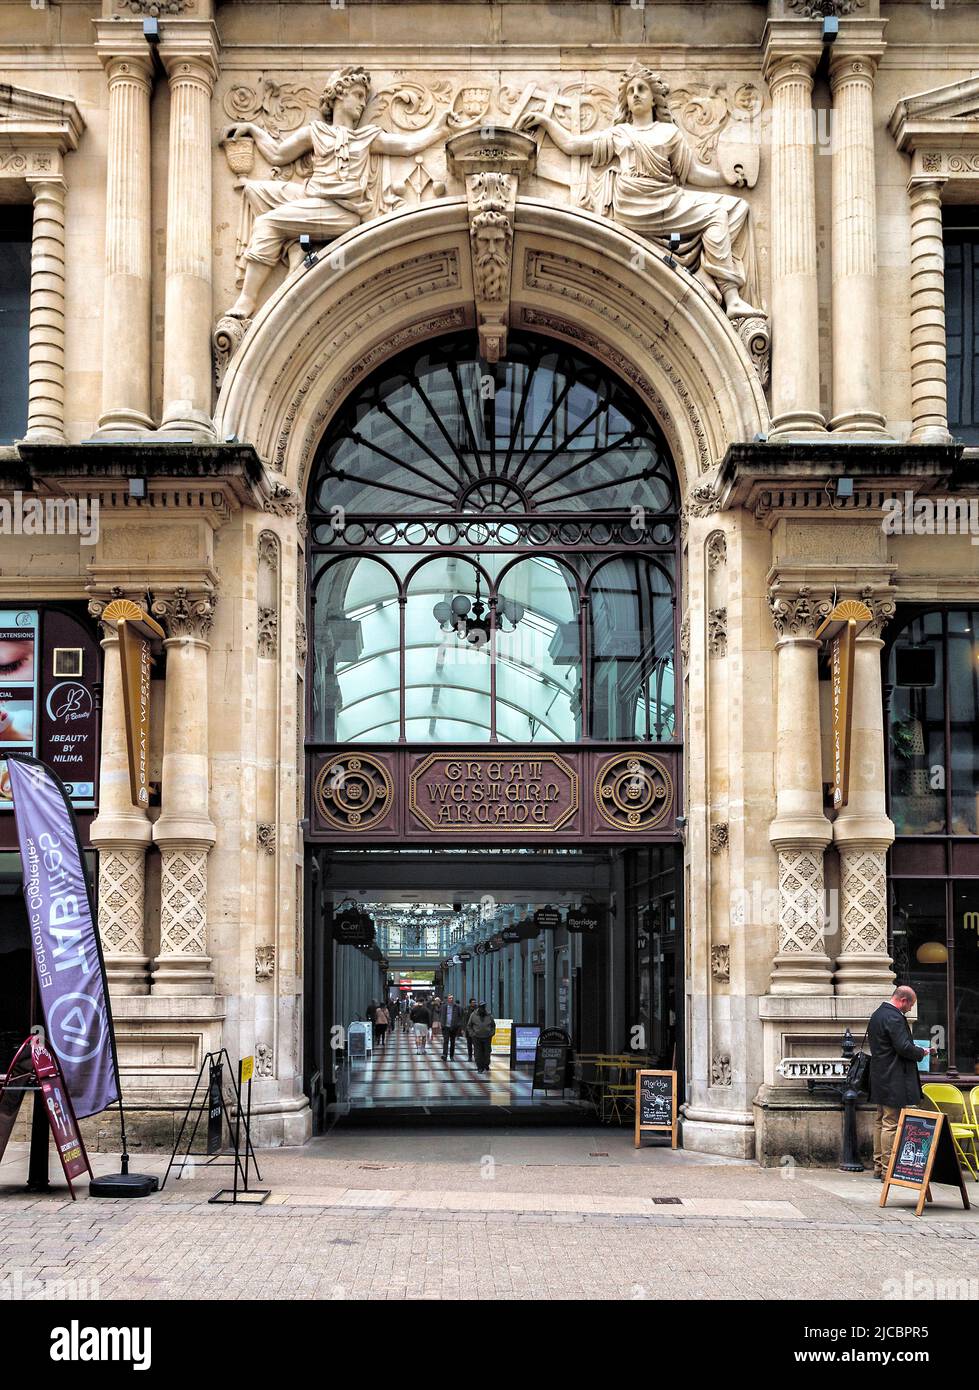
{"points": [[189, 50], [925, 186], [791, 37], [123, 51], [792, 64], [882, 603], [185, 613], [857, 51], [797, 611]]}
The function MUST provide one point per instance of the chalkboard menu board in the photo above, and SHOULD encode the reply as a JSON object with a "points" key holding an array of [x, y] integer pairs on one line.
{"points": [[923, 1153], [552, 1061], [655, 1103]]}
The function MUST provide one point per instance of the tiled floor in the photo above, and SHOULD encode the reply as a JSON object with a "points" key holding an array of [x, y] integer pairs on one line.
{"points": [[398, 1075]]}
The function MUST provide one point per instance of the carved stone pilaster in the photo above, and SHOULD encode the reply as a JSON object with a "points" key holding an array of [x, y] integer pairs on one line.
{"points": [[491, 160]]}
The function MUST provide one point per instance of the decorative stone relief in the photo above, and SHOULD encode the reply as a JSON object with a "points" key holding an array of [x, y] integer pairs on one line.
{"points": [[283, 501], [264, 962], [755, 332], [720, 963], [266, 838], [801, 906], [797, 614], [685, 640], [121, 899], [491, 161], [720, 1069], [268, 594], [883, 608], [227, 338], [863, 902], [183, 912], [338, 187], [155, 8], [185, 614], [263, 1061], [715, 245], [702, 501], [717, 632], [718, 837], [716, 550], [819, 9]]}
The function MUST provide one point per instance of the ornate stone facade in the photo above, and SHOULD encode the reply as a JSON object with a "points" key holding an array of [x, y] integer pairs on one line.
{"points": [[322, 196]]}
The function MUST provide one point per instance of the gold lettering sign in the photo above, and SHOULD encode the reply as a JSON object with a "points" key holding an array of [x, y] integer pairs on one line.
{"points": [[493, 792], [136, 631], [840, 630]]}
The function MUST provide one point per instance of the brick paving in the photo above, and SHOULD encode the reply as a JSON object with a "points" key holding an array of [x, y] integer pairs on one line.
{"points": [[573, 1215]]}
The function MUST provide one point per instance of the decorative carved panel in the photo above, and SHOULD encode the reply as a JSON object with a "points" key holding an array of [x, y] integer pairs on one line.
{"points": [[633, 791]]}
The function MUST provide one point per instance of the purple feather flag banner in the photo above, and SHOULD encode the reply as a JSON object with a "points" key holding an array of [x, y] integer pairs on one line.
{"points": [[67, 960]]}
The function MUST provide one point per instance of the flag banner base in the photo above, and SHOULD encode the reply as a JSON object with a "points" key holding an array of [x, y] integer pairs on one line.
{"points": [[253, 1197], [123, 1185]]}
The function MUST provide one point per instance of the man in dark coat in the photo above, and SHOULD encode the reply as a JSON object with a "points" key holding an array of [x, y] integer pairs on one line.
{"points": [[451, 1019], [894, 1079]]}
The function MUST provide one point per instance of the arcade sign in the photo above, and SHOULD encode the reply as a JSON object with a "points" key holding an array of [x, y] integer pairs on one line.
{"points": [[547, 918], [353, 928]]}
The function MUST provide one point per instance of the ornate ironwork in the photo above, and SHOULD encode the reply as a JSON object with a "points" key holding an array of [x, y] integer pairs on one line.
{"points": [[441, 432]]}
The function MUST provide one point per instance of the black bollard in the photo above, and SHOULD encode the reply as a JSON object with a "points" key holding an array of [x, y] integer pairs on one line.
{"points": [[851, 1153]]}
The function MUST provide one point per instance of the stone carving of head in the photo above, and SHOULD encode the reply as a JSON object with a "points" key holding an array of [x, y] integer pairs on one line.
{"points": [[339, 83], [658, 93], [492, 235]]}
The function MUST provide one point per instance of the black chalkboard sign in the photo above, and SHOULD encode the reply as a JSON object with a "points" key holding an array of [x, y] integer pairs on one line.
{"points": [[215, 1083], [923, 1153], [655, 1103], [552, 1061]]}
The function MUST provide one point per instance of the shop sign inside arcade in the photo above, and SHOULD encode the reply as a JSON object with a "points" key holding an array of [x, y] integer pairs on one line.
{"points": [[417, 794]]}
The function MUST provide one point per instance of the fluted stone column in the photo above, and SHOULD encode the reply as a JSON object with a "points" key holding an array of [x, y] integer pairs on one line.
{"points": [[126, 295], [862, 831], [121, 833], [187, 372], [46, 372], [800, 831], [856, 331], [795, 295], [184, 833], [929, 391]]}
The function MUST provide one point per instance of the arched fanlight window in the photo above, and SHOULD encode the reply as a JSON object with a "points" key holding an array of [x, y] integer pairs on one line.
{"points": [[459, 514], [441, 431]]}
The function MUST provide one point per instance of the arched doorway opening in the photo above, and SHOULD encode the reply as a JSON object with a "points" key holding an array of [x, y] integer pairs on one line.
{"points": [[494, 735]]}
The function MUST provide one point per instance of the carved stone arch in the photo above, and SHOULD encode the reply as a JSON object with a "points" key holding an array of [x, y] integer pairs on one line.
{"points": [[407, 277]]}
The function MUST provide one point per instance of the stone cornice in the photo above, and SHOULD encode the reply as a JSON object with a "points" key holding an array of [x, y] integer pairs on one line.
{"points": [[787, 478], [190, 41], [220, 478], [35, 121]]}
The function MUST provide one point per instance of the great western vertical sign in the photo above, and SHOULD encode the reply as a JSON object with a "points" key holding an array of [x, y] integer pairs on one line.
{"points": [[840, 632]]}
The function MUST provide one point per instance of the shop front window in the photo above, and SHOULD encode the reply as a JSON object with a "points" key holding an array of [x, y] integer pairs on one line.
{"points": [[931, 681]]}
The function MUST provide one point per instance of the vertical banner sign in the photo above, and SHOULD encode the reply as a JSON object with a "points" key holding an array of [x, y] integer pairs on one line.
{"points": [[136, 631], [67, 959], [215, 1107], [134, 657], [841, 667], [840, 631]]}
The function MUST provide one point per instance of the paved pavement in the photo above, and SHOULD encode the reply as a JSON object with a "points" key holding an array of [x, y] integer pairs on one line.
{"points": [[448, 1214]]}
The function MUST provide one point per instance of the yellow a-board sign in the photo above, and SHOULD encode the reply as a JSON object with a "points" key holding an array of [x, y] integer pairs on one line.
{"points": [[247, 1069]]}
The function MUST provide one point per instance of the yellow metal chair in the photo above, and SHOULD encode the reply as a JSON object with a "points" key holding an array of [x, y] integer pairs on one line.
{"points": [[961, 1121]]}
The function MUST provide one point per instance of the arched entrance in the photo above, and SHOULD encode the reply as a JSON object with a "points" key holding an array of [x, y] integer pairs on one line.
{"points": [[577, 280], [493, 726]]}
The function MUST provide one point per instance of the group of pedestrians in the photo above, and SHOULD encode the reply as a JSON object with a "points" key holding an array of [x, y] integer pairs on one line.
{"points": [[441, 1020]]}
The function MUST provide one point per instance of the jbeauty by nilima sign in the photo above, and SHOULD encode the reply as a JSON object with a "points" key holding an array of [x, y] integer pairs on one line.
{"points": [[67, 954]]}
